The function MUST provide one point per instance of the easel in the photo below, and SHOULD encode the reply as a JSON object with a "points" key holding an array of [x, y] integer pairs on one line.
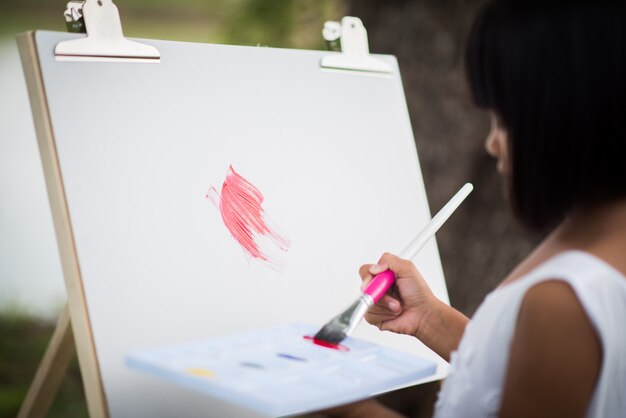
{"points": [[51, 370], [105, 42]]}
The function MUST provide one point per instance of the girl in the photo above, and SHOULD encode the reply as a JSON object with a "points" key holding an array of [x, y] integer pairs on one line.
{"points": [[550, 341]]}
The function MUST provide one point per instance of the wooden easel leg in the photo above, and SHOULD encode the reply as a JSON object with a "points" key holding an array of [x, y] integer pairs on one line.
{"points": [[51, 370]]}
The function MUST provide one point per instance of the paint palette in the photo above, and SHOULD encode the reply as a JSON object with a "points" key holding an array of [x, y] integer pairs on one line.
{"points": [[277, 371]]}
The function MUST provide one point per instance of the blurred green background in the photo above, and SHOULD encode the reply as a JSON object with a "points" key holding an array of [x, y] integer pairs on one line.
{"points": [[428, 38], [277, 23]]}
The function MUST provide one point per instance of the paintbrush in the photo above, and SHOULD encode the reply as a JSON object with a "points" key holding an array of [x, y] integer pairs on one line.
{"points": [[343, 324]]}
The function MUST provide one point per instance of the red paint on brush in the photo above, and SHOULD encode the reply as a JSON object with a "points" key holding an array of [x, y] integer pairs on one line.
{"points": [[240, 204], [326, 344]]}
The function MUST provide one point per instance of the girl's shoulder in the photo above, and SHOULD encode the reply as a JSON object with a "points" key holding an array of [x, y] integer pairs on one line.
{"points": [[554, 350], [567, 277], [569, 284], [565, 334], [572, 295]]}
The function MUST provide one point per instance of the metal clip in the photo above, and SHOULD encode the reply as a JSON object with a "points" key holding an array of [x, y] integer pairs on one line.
{"points": [[74, 17], [350, 37], [105, 40], [332, 35]]}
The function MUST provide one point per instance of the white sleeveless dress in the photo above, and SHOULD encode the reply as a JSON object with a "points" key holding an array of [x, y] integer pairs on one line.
{"points": [[475, 384]]}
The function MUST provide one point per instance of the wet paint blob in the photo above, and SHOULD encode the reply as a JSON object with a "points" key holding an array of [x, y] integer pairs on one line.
{"points": [[326, 344], [241, 207]]}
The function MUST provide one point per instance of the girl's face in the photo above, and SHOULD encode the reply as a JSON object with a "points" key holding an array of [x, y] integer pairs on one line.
{"points": [[497, 145]]}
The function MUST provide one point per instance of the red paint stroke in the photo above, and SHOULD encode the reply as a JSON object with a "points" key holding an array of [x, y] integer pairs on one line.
{"points": [[240, 204], [326, 344]]}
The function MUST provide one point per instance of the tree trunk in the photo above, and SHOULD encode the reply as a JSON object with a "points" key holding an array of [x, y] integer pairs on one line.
{"points": [[482, 242]]}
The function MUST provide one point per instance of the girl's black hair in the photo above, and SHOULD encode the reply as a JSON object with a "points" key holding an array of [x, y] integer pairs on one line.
{"points": [[554, 73]]}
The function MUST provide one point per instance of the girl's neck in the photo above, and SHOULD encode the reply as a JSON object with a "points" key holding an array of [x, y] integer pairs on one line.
{"points": [[600, 231]]}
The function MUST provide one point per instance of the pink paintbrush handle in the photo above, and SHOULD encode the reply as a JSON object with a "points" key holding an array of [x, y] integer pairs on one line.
{"points": [[380, 284]]}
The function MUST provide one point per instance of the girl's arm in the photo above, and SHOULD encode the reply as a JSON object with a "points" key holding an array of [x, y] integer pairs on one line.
{"points": [[441, 328], [555, 356]]}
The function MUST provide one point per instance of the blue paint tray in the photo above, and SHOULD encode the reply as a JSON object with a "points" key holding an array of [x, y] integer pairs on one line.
{"points": [[277, 372]]}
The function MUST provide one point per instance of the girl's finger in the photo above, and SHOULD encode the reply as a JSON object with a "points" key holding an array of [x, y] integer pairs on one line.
{"points": [[364, 271], [376, 318], [378, 268], [390, 303]]}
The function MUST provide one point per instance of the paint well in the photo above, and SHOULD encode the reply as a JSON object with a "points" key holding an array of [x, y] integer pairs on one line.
{"points": [[291, 357], [200, 372], [241, 206], [251, 365], [326, 344]]}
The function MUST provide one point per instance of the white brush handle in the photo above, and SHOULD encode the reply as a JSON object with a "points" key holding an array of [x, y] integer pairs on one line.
{"points": [[379, 285], [435, 223]]}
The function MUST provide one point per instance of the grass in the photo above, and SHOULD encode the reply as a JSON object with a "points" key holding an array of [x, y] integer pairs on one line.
{"points": [[22, 344]]}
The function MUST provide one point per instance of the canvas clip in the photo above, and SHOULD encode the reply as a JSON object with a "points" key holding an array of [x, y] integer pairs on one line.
{"points": [[104, 41], [350, 38]]}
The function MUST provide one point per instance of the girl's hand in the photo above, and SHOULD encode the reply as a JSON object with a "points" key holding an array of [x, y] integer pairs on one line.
{"points": [[411, 308], [407, 303]]}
